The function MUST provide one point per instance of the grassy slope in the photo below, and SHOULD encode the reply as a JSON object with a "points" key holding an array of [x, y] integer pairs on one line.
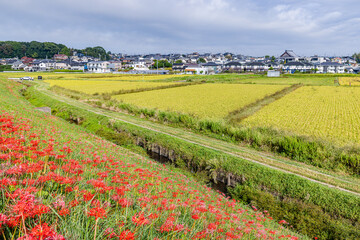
{"points": [[179, 197]]}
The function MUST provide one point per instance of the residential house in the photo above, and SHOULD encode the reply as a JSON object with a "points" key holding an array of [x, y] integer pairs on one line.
{"points": [[292, 67], [212, 67], [356, 70], [27, 60], [232, 67], [255, 67], [316, 59], [272, 65], [138, 65], [195, 69], [99, 67], [18, 65], [178, 67], [79, 66], [60, 57], [289, 56], [330, 67], [115, 65], [62, 65]]}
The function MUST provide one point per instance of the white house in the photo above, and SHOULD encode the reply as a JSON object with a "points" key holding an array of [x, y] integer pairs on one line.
{"points": [[255, 67], [195, 69], [232, 66], [18, 65], [292, 67], [139, 66], [99, 67], [316, 59], [330, 67], [61, 65], [212, 67]]}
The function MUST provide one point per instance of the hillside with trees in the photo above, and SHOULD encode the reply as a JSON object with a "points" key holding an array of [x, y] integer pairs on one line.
{"points": [[34, 49]]}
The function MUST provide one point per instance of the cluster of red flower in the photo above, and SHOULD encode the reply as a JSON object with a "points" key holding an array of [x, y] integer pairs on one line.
{"points": [[48, 183]]}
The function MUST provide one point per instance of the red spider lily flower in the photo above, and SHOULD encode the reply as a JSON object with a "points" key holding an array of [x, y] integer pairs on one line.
{"points": [[109, 232], [124, 202], [88, 196], [211, 227], [42, 231], [139, 219], [3, 219], [64, 212], [168, 225], [127, 235], [153, 216], [195, 216], [97, 213], [283, 222], [41, 209], [74, 203]]}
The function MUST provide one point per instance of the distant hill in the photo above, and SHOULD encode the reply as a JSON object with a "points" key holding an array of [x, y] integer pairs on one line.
{"points": [[11, 49]]}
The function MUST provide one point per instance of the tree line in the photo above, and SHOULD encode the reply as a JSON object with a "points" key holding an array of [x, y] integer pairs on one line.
{"points": [[40, 50], [356, 56]]}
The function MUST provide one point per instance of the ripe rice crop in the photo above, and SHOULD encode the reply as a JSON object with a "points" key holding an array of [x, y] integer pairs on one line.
{"points": [[205, 100], [129, 77], [91, 87], [331, 113], [92, 76], [59, 182], [349, 81]]}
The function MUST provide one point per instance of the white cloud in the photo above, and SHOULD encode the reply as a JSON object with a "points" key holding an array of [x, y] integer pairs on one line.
{"points": [[251, 26]]}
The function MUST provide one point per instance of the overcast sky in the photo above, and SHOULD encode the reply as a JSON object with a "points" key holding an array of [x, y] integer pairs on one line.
{"points": [[251, 27]]}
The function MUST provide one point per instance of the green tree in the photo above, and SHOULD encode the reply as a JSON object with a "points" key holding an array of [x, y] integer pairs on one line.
{"points": [[65, 50], [228, 57], [161, 64], [201, 60], [356, 56], [179, 61], [10, 49]]}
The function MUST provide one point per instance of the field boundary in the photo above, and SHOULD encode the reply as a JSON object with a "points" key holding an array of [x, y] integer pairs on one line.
{"points": [[245, 112]]}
